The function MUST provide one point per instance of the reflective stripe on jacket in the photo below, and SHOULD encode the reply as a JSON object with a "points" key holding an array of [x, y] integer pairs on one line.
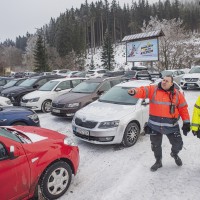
{"points": [[196, 116], [160, 118]]}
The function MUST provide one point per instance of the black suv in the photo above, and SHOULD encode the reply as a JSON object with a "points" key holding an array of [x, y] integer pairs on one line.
{"points": [[86, 92], [17, 92]]}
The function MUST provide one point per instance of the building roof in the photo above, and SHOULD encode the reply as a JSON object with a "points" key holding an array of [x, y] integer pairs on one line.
{"points": [[140, 36]]}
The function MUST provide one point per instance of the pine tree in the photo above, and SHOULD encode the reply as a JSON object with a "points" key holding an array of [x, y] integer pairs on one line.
{"points": [[107, 56], [40, 55]]}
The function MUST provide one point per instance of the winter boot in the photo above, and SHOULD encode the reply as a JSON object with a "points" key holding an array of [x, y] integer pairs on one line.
{"points": [[158, 164], [177, 159]]}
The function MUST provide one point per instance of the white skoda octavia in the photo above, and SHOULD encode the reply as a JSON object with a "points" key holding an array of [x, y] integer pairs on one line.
{"points": [[116, 117], [41, 99]]}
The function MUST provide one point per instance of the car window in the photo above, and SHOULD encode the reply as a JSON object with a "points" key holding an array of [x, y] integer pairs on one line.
{"points": [[9, 84], [64, 85], [86, 87], [28, 82], [41, 82], [118, 95], [195, 70], [105, 86], [115, 82], [175, 73], [75, 82], [8, 134], [3, 152], [48, 86], [2, 82]]}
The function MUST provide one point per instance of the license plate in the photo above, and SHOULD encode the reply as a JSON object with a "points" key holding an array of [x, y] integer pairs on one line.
{"points": [[82, 131], [55, 111], [190, 84]]}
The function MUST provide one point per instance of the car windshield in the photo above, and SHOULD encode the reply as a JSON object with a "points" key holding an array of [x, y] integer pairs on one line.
{"points": [[118, 95], [10, 84], [86, 87], [90, 72], [130, 73], [166, 73], [195, 70], [48, 86], [9, 134], [28, 82]]}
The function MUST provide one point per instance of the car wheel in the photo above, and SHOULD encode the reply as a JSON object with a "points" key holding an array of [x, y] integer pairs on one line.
{"points": [[19, 123], [46, 106], [56, 180], [131, 134]]}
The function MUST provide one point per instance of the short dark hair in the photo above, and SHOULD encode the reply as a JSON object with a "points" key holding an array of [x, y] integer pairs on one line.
{"points": [[170, 76]]}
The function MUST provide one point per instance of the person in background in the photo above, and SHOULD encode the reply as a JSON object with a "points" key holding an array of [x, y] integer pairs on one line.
{"points": [[166, 106], [196, 119]]}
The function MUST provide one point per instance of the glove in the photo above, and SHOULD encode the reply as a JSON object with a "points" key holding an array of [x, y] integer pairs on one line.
{"points": [[196, 133], [186, 128]]}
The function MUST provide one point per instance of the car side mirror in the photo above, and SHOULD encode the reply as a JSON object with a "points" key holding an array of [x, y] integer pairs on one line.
{"points": [[13, 152], [35, 86], [100, 92], [145, 102], [58, 89]]}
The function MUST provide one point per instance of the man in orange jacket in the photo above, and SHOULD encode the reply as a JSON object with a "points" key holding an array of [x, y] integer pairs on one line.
{"points": [[166, 106]]}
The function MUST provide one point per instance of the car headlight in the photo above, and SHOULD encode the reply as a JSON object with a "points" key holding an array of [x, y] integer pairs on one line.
{"points": [[109, 124], [69, 141], [34, 117], [34, 99], [182, 79], [72, 105]]}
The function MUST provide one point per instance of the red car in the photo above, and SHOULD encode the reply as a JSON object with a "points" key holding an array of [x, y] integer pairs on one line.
{"points": [[35, 159]]}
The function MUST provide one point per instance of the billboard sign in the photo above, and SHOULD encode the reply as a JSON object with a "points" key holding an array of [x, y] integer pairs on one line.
{"points": [[144, 50]]}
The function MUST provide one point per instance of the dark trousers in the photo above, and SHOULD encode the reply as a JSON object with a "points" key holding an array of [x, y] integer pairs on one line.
{"points": [[156, 143]]}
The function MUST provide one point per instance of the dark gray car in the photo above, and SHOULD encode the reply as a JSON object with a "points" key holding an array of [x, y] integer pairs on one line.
{"points": [[83, 94]]}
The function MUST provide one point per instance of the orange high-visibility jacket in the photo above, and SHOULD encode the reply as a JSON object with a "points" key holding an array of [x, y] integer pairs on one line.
{"points": [[160, 118]]}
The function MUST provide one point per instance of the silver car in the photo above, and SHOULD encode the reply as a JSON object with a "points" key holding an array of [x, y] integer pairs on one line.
{"points": [[115, 118], [175, 73]]}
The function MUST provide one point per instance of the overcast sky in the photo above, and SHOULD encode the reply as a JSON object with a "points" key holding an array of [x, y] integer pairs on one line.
{"points": [[17, 17]]}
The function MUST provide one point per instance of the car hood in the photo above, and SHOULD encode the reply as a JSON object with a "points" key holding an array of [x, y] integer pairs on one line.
{"points": [[37, 134], [70, 97], [194, 75], [17, 89], [101, 111], [14, 109], [36, 94]]}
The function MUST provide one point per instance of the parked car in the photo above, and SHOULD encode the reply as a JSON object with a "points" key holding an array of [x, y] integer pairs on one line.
{"points": [[83, 94], [11, 115], [41, 99], [70, 74], [113, 73], [137, 75], [192, 79], [96, 73], [60, 72], [13, 82], [176, 74], [32, 158], [5, 80], [116, 118], [16, 93], [79, 74], [5, 101]]}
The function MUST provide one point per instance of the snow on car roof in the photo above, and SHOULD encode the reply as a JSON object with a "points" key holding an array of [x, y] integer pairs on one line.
{"points": [[135, 83]]}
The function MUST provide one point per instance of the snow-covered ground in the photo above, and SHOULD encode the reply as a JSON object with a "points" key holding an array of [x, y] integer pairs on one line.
{"points": [[113, 173]]}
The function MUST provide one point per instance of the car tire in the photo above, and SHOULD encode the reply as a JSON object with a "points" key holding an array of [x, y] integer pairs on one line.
{"points": [[46, 106], [56, 180], [131, 134], [19, 124]]}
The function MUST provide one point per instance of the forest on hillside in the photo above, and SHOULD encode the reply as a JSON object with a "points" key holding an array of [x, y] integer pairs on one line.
{"points": [[66, 41]]}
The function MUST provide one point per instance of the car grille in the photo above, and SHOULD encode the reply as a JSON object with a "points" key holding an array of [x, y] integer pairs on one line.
{"points": [[191, 79], [24, 100], [86, 124], [58, 105]]}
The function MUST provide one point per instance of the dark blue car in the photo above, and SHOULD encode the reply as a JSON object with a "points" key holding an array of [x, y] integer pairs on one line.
{"points": [[18, 116]]}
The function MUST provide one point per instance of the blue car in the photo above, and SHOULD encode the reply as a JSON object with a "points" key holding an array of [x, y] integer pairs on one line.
{"points": [[18, 116]]}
